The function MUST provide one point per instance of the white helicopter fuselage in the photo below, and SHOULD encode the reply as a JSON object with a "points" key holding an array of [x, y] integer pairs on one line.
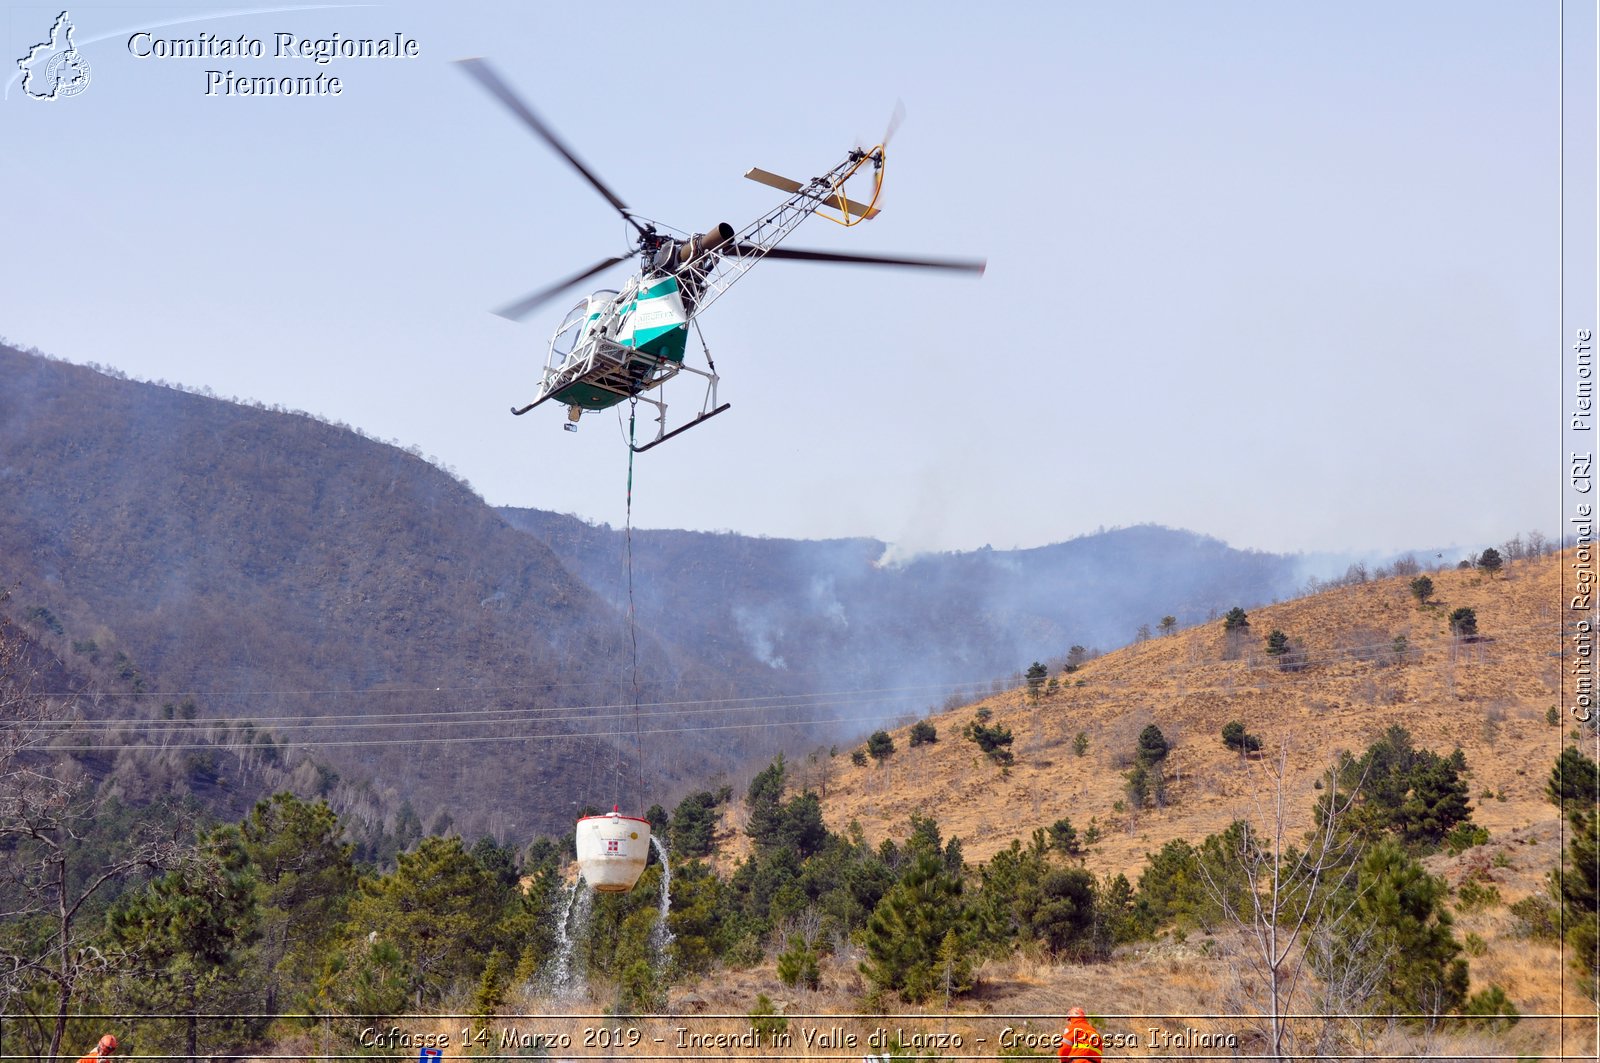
{"points": [[612, 345]]}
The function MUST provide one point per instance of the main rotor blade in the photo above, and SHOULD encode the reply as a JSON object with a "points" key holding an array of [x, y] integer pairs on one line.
{"points": [[486, 77], [961, 265], [529, 303]]}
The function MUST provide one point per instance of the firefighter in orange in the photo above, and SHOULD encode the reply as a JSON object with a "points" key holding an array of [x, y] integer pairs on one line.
{"points": [[1079, 1040], [104, 1050]]}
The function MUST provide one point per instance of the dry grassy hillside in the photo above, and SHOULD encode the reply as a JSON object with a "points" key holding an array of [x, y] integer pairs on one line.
{"points": [[1490, 697]]}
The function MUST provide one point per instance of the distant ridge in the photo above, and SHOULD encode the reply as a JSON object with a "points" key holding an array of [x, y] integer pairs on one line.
{"points": [[269, 566], [831, 608], [281, 567]]}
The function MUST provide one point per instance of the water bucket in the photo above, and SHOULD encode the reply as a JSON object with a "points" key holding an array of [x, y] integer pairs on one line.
{"points": [[612, 850]]}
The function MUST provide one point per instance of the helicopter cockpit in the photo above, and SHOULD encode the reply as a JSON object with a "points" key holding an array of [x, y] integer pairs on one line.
{"points": [[574, 328]]}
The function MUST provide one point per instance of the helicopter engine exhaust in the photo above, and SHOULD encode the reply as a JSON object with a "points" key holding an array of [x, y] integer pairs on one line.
{"points": [[690, 250]]}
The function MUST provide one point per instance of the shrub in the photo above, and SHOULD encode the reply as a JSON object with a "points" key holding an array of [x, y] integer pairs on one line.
{"points": [[1464, 622], [1064, 836], [765, 1020], [1422, 589], [1473, 894], [1235, 737], [38, 614], [797, 966], [923, 733], [1138, 788], [994, 741], [1536, 918], [1464, 836], [1492, 1008]]}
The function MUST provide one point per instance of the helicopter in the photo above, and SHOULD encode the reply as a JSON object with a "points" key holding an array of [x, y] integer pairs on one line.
{"points": [[623, 344]]}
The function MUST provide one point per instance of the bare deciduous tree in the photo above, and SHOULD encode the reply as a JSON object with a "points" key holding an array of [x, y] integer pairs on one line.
{"points": [[1293, 897], [46, 807]]}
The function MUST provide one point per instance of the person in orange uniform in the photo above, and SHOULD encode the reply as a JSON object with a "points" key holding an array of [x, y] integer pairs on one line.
{"points": [[104, 1050], [1079, 1040]]}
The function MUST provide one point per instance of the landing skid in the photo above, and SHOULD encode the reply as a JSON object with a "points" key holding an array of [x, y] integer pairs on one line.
{"points": [[518, 412], [681, 429], [708, 410]]}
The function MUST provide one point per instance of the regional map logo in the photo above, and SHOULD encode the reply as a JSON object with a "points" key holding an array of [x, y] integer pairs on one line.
{"points": [[55, 69]]}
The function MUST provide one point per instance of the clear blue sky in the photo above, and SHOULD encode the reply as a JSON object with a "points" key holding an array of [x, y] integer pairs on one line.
{"points": [[1284, 274]]}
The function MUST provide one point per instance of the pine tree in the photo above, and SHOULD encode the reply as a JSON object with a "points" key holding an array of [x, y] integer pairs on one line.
{"points": [[1415, 794], [694, 824], [492, 986], [1171, 888], [1574, 779], [189, 932], [306, 879], [1153, 746], [1010, 875], [1421, 972], [764, 799], [439, 908], [1062, 912], [1579, 887], [1035, 676], [954, 967], [880, 746], [907, 931], [1064, 837]]}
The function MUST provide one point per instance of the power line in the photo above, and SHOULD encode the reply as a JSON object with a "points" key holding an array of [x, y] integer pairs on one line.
{"points": [[448, 715]]}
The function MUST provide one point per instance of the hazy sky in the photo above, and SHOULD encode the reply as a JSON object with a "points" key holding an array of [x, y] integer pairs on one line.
{"points": [[1283, 274]]}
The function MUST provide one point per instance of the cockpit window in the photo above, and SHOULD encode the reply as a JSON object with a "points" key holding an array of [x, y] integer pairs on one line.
{"points": [[571, 328]]}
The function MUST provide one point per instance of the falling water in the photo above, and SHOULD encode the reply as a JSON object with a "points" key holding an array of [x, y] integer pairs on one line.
{"points": [[661, 936], [562, 971], [565, 981]]}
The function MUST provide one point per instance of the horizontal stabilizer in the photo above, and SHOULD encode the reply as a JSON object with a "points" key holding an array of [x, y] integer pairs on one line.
{"points": [[784, 184]]}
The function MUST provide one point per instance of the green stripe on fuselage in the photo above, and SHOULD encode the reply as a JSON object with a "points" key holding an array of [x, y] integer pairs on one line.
{"points": [[666, 287], [667, 342]]}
